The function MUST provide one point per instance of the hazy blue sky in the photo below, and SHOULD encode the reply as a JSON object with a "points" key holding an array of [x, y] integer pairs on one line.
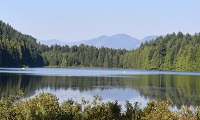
{"points": [[74, 20]]}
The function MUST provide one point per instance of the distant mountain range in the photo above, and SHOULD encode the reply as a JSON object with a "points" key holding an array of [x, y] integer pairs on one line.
{"points": [[118, 41]]}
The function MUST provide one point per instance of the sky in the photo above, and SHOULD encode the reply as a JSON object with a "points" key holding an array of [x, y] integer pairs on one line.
{"points": [[75, 20]]}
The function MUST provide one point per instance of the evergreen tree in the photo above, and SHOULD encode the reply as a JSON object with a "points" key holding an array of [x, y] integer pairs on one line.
{"points": [[64, 62], [105, 64]]}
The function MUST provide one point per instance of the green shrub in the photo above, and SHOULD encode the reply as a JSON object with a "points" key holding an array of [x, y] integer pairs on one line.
{"points": [[45, 106]]}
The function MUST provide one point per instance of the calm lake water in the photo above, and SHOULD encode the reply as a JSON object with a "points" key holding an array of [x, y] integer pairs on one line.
{"points": [[183, 88]]}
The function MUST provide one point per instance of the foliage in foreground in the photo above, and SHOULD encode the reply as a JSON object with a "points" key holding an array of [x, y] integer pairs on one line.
{"points": [[45, 106]]}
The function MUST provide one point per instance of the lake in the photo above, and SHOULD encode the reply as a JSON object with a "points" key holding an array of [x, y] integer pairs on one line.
{"points": [[183, 88]]}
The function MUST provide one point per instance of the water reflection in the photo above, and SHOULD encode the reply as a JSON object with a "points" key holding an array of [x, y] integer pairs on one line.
{"points": [[181, 89]]}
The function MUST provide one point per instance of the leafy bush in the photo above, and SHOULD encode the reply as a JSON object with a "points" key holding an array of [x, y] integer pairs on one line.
{"points": [[45, 106]]}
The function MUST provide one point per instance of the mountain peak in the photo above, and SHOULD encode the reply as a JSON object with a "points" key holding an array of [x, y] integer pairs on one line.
{"points": [[103, 37], [121, 35], [124, 36]]}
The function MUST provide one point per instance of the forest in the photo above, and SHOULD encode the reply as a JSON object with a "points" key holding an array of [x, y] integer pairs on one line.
{"points": [[83, 56], [17, 49], [176, 52]]}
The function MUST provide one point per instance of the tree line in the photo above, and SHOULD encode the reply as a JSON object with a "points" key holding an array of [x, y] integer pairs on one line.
{"points": [[83, 56], [177, 52], [173, 52]]}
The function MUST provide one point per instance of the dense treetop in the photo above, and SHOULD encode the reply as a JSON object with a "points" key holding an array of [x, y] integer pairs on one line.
{"points": [[83, 56], [172, 52], [17, 49]]}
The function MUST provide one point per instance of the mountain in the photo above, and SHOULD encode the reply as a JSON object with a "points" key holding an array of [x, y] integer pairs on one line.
{"points": [[52, 42], [99, 41], [118, 41]]}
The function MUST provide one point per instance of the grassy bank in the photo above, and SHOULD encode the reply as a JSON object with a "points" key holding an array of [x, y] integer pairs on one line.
{"points": [[45, 106]]}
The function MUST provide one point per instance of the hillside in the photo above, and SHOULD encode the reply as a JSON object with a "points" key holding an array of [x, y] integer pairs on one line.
{"points": [[173, 52], [17, 49]]}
